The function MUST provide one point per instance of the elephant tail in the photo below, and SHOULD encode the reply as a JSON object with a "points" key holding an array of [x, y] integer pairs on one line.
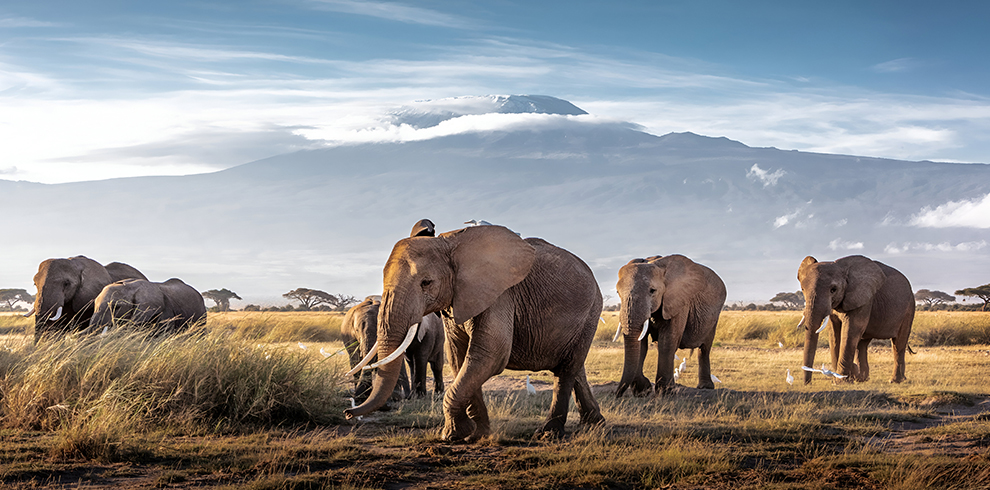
{"points": [[910, 350]]}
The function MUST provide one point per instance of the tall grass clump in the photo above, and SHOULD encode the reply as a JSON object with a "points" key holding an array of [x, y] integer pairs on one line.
{"points": [[944, 328], [771, 326], [95, 391], [275, 327]]}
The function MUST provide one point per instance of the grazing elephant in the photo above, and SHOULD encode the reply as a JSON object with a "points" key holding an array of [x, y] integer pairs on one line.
{"points": [[862, 300], [66, 291], [359, 331], [677, 301], [427, 348], [507, 303], [166, 307]]}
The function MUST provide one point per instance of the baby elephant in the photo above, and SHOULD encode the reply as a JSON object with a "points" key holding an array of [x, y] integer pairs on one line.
{"points": [[166, 307]]}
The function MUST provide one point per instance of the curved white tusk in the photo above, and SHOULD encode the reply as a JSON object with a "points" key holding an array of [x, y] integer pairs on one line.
{"points": [[398, 352], [371, 353], [824, 325], [29, 313], [58, 314], [618, 330], [801, 322], [646, 326]]}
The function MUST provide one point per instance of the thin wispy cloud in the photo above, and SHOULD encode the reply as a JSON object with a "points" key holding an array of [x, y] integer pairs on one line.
{"points": [[12, 22], [394, 11], [894, 66]]}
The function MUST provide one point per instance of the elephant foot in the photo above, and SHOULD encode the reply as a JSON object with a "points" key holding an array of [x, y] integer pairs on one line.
{"points": [[453, 432], [710, 385], [478, 434], [592, 418], [898, 379], [553, 429]]}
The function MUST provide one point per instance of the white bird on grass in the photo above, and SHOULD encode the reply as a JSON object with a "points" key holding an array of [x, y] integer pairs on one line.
{"points": [[302, 346], [325, 354], [529, 386], [715, 379], [354, 405], [780, 344], [824, 370], [676, 358], [677, 375], [105, 328], [789, 378], [683, 366]]}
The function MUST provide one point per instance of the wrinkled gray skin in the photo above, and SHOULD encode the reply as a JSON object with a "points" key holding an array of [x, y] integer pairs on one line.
{"points": [[507, 303], [864, 300], [427, 348], [359, 331], [682, 301], [163, 307], [72, 284]]}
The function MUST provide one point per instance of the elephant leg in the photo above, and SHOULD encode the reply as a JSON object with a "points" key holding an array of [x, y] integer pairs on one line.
{"points": [[563, 385], [899, 346], [436, 365], [477, 412], [667, 343], [464, 409], [863, 373], [585, 400], [834, 341], [642, 385], [705, 368]]}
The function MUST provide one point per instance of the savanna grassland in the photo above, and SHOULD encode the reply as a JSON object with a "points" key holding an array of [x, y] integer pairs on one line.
{"points": [[250, 401]]}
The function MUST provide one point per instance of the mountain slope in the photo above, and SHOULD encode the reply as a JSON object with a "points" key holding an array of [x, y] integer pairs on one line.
{"points": [[608, 192]]}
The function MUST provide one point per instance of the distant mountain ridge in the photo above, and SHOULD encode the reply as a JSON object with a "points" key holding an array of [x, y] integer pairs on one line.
{"points": [[606, 190]]}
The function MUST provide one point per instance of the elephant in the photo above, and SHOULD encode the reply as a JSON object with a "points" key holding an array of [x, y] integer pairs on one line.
{"points": [[426, 348], [675, 300], [166, 307], [506, 303], [359, 331], [861, 299], [67, 289]]}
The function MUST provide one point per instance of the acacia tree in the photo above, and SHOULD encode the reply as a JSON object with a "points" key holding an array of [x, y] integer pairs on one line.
{"points": [[340, 302], [221, 297], [792, 301], [982, 292], [14, 296], [932, 298], [310, 298]]}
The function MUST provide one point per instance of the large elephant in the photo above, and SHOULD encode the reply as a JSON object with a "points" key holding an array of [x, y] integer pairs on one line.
{"points": [[359, 331], [427, 348], [675, 300], [507, 303], [166, 307], [67, 289], [861, 299]]}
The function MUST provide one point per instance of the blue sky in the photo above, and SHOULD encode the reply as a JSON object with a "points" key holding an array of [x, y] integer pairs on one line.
{"points": [[100, 89]]}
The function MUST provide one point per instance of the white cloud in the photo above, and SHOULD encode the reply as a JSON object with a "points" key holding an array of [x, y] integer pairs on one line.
{"points": [[969, 214], [839, 244], [892, 66], [783, 220], [393, 11], [24, 22], [895, 248], [768, 178]]}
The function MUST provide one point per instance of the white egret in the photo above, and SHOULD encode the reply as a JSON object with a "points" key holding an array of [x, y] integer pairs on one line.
{"points": [[789, 378], [477, 222], [529, 386], [302, 346], [715, 379]]}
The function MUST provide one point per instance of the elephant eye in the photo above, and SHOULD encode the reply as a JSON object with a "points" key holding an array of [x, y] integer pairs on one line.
{"points": [[653, 290], [426, 282], [834, 289]]}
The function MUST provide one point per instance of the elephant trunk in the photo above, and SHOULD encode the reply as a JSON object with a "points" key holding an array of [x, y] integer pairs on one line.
{"points": [[815, 312], [393, 327], [633, 325]]}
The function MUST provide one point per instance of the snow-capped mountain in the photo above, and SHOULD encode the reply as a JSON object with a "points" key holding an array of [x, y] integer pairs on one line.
{"points": [[605, 190]]}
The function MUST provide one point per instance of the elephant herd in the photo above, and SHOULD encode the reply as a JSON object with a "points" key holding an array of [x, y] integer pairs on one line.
{"points": [[488, 300], [79, 293], [524, 304]]}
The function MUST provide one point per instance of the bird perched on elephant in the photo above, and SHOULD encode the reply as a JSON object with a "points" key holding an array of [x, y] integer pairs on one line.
{"points": [[857, 300], [675, 300], [507, 303], [163, 307], [359, 331], [67, 289]]}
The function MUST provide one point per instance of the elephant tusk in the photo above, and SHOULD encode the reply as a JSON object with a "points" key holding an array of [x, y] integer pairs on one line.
{"points": [[824, 325], [58, 314], [398, 352], [801, 322], [646, 327], [371, 353], [29, 313], [618, 330]]}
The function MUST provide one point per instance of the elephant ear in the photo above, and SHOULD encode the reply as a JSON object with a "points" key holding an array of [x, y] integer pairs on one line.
{"points": [[863, 279], [93, 277], [487, 260], [683, 280], [803, 268]]}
